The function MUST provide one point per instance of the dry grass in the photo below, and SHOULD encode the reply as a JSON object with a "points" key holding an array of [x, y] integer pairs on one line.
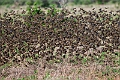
{"points": [[62, 71], [47, 64]]}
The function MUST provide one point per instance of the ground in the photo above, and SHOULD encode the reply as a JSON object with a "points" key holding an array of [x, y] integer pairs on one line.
{"points": [[43, 70]]}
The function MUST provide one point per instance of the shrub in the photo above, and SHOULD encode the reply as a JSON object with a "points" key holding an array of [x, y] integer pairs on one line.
{"points": [[45, 3]]}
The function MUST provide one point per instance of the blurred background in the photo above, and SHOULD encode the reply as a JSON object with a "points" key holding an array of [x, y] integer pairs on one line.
{"points": [[19, 5], [47, 3]]}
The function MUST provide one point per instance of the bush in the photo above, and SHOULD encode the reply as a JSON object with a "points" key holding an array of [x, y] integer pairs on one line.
{"points": [[45, 3], [4, 2], [22, 2], [86, 2], [103, 1], [30, 2]]}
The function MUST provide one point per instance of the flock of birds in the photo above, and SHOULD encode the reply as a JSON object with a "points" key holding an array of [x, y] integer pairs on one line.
{"points": [[51, 37]]}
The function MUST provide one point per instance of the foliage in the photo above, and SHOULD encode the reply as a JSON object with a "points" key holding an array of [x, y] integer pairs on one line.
{"points": [[30, 2], [53, 11], [4, 2], [82, 2], [47, 3]]}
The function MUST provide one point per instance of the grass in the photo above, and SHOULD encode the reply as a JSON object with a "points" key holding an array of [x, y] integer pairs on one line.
{"points": [[38, 47], [32, 77], [108, 72]]}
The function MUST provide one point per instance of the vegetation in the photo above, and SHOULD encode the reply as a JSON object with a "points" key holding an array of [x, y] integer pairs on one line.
{"points": [[47, 3], [44, 38]]}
